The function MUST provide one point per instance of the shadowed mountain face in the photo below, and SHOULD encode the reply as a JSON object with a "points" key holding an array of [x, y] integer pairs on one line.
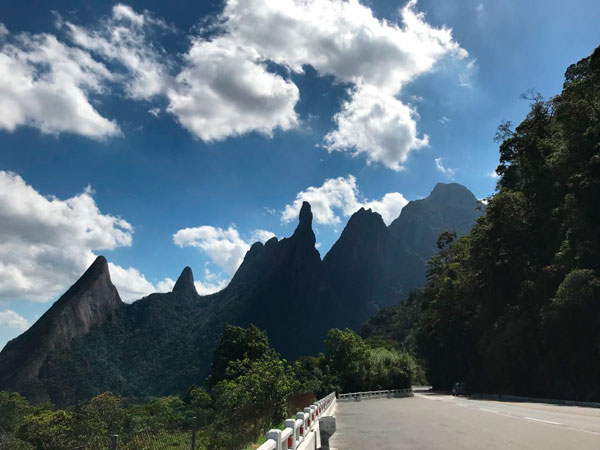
{"points": [[89, 341]]}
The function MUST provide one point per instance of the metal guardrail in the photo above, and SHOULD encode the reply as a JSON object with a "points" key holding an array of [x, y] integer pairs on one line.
{"points": [[301, 430], [390, 393]]}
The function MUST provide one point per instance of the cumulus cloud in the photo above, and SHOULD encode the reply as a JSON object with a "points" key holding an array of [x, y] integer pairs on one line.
{"points": [[225, 247], [377, 125], [439, 165], [47, 243], [226, 90], [345, 40], [46, 84], [225, 84], [125, 38], [11, 319], [341, 196]]}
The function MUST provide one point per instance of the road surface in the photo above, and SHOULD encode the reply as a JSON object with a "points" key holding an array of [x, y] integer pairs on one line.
{"points": [[430, 421]]}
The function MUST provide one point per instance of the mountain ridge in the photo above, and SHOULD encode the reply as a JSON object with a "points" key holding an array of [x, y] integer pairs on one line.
{"points": [[282, 286]]}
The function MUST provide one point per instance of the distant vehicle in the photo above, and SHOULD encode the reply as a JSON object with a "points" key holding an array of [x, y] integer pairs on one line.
{"points": [[461, 388]]}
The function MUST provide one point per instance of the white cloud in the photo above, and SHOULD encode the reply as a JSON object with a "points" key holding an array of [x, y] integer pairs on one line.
{"points": [[439, 165], [11, 319], [46, 84], [165, 285], [131, 284], [443, 120], [124, 38], [154, 111], [344, 39], [224, 85], [377, 125], [261, 236], [341, 195], [225, 247], [493, 174], [225, 90], [465, 78], [47, 243]]}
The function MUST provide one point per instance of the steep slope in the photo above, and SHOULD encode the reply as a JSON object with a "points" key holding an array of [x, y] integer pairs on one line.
{"points": [[92, 301], [281, 287], [448, 207], [148, 349], [367, 267], [372, 266]]}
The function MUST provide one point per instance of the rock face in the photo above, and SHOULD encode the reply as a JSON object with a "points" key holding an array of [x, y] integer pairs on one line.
{"points": [[372, 266], [90, 342], [448, 207], [368, 267], [281, 287], [90, 302]]}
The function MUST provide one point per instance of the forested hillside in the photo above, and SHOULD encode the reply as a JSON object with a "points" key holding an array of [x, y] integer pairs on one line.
{"points": [[514, 306]]}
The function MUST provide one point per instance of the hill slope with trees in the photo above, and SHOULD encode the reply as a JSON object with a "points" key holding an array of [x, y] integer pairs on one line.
{"points": [[514, 306]]}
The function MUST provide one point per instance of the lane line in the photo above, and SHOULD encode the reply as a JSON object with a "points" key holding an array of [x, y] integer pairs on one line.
{"points": [[543, 421], [489, 410]]}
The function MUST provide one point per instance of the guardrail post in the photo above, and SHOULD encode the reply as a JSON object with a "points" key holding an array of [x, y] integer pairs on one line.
{"points": [[193, 443], [307, 414], [302, 428], [114, 441], [276, 436], [293, 439]]}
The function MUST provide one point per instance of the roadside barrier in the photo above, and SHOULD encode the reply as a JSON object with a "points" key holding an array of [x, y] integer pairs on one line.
{"points": [[301, 433], [389, 393]]}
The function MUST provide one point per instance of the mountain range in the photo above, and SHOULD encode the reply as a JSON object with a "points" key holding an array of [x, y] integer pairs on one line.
{"points": [[89, 341]]}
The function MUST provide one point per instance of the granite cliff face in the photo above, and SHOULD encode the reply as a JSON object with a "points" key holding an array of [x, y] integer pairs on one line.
{"points": [[448, 207], [92, 301], [372, 266], [90, 342]]}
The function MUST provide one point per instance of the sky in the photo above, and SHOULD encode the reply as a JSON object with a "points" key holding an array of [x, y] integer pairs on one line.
{"points": [[167, 134]]}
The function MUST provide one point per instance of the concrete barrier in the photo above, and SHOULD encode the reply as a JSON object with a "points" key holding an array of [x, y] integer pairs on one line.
{"points": [[303, 432], [389, 393]]}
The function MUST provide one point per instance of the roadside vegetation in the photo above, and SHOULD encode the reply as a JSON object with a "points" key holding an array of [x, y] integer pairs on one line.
{"points": [[249, 390], [514, 306]]}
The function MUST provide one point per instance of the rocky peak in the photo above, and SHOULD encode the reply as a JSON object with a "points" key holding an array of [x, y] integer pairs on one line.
{"points": [[185, 282], [304, 231], [90, 302], [451, 193]]}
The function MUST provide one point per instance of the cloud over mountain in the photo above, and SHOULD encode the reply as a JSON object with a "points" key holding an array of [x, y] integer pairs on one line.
{"points": [[341, 196], [47, 242]]}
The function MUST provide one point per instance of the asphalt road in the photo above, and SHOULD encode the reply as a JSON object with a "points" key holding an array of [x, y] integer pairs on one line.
{"points": [[430, 421]]}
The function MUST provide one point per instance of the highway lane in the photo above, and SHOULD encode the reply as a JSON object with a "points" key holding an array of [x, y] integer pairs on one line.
{"points": [[430, 421]]}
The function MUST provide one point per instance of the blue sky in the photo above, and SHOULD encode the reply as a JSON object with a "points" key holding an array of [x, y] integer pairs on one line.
{"points": [[166, 134]]}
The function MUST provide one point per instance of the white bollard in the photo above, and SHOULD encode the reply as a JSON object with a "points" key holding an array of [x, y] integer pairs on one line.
{"points": [[276, 436], [291, 425]]}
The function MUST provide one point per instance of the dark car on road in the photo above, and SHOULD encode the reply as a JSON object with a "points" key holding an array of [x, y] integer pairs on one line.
{"points": [[461, 388]]}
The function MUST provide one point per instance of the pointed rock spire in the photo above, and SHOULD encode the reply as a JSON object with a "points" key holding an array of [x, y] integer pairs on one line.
{"points": [[185, 282], [304, 229]]}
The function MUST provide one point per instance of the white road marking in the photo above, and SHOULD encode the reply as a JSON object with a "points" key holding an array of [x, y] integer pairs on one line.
{"points": [[489, 410], [544, 421]]}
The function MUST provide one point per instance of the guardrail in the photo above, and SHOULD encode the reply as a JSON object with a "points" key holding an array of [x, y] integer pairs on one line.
{"points": [[301, 433], [390, 393]]}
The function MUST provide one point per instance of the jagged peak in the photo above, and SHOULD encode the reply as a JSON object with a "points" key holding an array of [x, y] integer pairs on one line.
{"points": [[305, 217], [304, 228], [185, 282]]}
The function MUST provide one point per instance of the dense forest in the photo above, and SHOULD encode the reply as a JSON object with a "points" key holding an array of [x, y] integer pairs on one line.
{"points": [[250, 389], [514, 306]]}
